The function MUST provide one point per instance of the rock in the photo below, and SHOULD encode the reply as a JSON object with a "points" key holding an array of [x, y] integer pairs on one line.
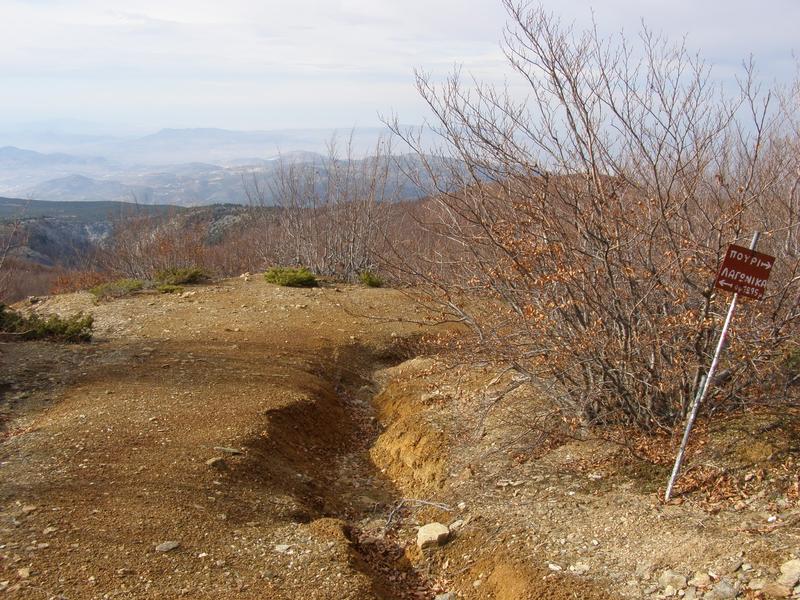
{"points": [[757, 584], [790, 573], [644, 570], [724, 590], [690, 593], [29, 508], [282, 548], [579, 568], [167, 546], [24, 573], [734, 565], [670, 591], [217, 463], [700, 580], [447, 596], [456, 525], [432, 534], [676, 580], [49, 530], [554, 567], [776, 590]]}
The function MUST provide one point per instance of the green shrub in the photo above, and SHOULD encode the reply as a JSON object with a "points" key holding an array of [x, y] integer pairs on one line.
{"points": [[300, 277], [370, 279], [77, 328], [181, 275], [168, 288], [117, 289]]}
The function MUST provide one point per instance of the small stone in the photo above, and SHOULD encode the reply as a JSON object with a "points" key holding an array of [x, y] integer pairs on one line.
{"points": [[49, 530], [554, 567], [644, 570], [282, 548], [724, 590], [462, 505], [790, 573], [24, 573], [757, 584], [670, 591], [217, 463], [676, 580], [167, 546], [579, 568], [456, 525], [432, 534], [447, 596], [690, 593], [735, 565], [28, 509], [700, 580], [776, 590]]}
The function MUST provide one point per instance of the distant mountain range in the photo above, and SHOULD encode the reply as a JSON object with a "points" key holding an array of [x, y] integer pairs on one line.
{"points": [[186, 167], [173, 146]]}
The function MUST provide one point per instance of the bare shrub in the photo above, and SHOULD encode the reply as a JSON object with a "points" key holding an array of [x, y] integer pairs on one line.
{"points": [[11, 237], [332, 215], [579, 231], [143, 245]]}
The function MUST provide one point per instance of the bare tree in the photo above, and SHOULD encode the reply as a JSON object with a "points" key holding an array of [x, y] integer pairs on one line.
{"points": [[580, 228]]}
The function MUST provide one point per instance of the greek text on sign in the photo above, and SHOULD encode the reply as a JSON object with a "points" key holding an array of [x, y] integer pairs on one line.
{"points": [[744, 272]]}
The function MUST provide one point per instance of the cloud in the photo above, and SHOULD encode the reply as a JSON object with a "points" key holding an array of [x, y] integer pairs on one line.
{"points": [[160, 62]]}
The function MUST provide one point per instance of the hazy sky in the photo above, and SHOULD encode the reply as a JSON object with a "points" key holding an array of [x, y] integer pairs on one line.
{"points": [[265, 64]]}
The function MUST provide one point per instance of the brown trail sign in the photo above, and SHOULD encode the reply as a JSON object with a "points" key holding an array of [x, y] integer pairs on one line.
{"points": [[744, 271]]}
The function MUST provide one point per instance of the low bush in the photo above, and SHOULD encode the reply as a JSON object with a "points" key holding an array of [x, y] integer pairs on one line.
{"points": [[370, 279], [168, 288], [289, 277], [117, 288], [77, 328], [182, 276]]}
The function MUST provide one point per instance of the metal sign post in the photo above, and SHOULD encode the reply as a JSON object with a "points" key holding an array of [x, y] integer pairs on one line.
{"points": [[744, 272]]}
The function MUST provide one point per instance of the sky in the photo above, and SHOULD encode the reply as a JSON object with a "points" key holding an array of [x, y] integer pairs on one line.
{"points": [[140, 65]]}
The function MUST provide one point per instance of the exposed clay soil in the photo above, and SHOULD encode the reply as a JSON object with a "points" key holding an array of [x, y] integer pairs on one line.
{"points": [[284, 441]]}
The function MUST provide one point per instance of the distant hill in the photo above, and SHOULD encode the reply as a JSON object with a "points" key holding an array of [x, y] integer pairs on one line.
{"points": [[78, 212], [78, 188], [12, 157]]}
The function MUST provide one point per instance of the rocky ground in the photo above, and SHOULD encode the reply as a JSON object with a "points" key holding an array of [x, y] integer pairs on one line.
{"points": [[247, 441]]}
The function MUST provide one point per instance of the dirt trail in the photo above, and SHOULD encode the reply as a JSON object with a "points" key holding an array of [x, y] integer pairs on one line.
{"points": [[243, 440], [234, 421]]}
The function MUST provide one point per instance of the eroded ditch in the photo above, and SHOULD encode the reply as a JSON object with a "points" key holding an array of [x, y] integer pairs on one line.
{"points": [[317, 450]]}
